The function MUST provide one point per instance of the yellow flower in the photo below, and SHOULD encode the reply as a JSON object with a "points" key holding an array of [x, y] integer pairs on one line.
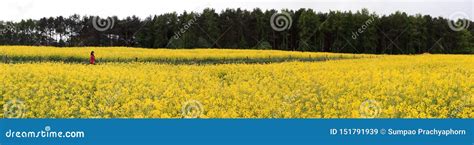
{"points": [[402, 86]]}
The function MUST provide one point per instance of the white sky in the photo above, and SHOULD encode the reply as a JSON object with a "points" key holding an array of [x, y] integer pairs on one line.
{"points": [[14, 10]]}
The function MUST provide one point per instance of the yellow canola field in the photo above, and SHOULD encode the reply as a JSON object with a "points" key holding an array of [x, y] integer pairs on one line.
{"points": [[125, 53], [421, 86]]}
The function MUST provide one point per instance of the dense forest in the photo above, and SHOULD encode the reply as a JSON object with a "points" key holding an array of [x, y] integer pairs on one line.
{"points": [[304, 30]]}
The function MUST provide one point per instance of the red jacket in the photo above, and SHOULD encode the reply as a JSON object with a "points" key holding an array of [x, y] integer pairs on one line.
{"points": [[92, 60]]}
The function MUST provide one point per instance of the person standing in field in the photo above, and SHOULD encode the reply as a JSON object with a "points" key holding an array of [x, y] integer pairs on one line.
{"points": [[92, 59]]}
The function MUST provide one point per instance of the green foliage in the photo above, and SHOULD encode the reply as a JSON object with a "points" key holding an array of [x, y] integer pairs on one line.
{"points": [[335, 31]]}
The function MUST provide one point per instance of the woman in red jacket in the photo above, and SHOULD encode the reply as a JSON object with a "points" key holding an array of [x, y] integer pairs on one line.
{"points": [[92, 60]]}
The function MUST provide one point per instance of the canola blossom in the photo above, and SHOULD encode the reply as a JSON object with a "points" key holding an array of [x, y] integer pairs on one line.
{"points": [[18, 54], [386, 86]]}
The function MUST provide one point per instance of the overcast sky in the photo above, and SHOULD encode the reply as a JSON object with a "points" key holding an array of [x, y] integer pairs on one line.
{"points": [[20, 9]]}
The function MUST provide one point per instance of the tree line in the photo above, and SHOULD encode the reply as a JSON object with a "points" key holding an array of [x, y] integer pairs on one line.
{"points": [[303, 30]]}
